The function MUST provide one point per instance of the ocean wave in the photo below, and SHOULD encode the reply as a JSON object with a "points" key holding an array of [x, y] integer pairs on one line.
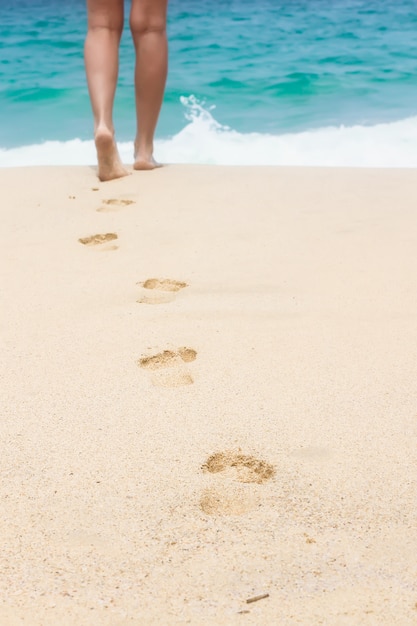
{"points": [[205, 141]]}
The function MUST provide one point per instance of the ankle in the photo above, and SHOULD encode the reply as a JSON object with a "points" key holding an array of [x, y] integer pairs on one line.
{"points": [[144, 150], [143, 156]]}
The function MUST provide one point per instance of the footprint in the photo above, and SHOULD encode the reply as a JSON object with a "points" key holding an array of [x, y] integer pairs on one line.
{"points": [[168, 367], [227, 497], [187, 354], [159, 290], [113, 204], [240, 467], [99, 240], [164, 284]]}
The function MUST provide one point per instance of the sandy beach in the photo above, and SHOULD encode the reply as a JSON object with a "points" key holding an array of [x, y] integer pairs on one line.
{"points": [[208, 394]]}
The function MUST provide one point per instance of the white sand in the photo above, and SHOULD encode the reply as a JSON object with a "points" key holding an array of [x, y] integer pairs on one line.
{"points": [[301, 308]]}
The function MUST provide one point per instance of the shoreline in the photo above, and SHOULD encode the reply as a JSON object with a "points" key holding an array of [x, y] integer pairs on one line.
{"points": [[173, 449]]}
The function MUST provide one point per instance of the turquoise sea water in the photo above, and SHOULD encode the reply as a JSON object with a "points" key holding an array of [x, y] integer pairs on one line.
{"points": [[271, 81]]}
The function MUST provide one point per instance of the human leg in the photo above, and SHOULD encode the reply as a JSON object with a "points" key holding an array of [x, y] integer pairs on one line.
{"points": [[148, 27], [101, 52]]}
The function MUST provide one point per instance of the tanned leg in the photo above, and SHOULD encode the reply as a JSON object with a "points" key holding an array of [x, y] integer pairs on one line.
{"points": [[101, 52], [148, 26]]}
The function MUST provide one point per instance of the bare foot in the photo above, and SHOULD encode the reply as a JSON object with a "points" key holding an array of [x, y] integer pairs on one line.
{"points": [[109, 163], [144, 160], [146, 164]]}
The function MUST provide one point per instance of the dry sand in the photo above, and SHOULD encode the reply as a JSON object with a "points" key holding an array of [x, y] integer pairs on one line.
{"points": [[217, 404]]}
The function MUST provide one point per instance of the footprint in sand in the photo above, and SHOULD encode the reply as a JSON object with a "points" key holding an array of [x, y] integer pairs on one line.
{"points": [[114, 204], [168, 368], [235, 492], [100, 241], [159, 290]]}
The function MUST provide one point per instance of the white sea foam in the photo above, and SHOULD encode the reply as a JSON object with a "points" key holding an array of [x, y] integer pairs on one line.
{"points": [[204, 140]]}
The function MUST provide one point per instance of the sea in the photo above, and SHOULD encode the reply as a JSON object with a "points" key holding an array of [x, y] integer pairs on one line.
{"points": [[251, 82]]}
